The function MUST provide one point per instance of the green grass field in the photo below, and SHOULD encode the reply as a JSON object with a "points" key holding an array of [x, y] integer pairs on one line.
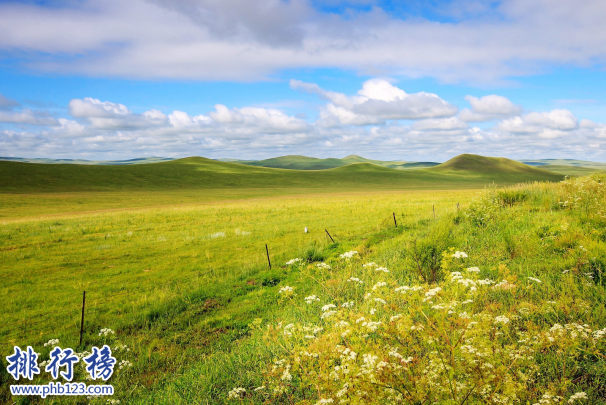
{"points": [[173, 260]]}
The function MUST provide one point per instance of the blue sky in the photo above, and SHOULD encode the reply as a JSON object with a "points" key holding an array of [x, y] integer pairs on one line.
{"points": [[407, 80]]}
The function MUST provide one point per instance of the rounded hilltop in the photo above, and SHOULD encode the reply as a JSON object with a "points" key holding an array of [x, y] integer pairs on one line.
{"points": [[483, 164]]}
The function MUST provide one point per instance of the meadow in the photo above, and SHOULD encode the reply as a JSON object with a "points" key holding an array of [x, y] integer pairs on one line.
{"points": [[199, 317]]}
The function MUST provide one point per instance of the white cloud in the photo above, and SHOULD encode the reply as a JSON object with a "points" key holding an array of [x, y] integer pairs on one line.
{"points": [[108, 115], [443, 124], [489, 108], [107, 130], [267, 120], [552, 124], [244, 40], [376, 102], [180, 120], [93, 108], [27, 117]]}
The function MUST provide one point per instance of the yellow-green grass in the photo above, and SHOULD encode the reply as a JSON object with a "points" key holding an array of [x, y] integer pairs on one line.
{"points": [[187, 319], [199, 173], [37, 189], [131, 259], [561, 247]]}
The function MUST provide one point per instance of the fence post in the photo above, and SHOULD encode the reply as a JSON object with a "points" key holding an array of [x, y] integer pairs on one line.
{"points": [[333, 241], [394, 219], [267, 251], [82, 319]]}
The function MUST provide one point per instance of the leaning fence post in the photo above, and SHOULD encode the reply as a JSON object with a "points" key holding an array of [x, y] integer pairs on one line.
{"points": [[82, 319], [267, 251], [333, 241]]}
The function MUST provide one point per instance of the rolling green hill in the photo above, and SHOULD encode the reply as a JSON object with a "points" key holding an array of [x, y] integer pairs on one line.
{"points": [[465, 171], [135, 161], [489, 165], [298, 162]]}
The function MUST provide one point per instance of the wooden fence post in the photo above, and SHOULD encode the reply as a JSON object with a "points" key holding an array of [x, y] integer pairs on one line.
{"points": [[267, 251], [82, 319]]}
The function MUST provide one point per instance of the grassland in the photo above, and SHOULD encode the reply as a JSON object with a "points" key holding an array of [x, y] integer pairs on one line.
{"points": [[185, 285], [39, 189]]}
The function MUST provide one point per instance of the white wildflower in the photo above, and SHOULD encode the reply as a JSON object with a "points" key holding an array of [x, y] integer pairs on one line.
{"points": [[53, 342], [293, 261], [286, 290], [501, 319], [236, 393], [311, 299], [327, 307], [473, 269], [323, 266], [106, 332], [379, 285], [125, 364], [577, 396], [536, 280], [347, 304], [348, 255], [459, 255]]}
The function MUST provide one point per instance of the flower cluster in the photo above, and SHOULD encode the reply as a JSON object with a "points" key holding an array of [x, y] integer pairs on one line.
{"points": [[406, 344], [293, 261], [286, 291], [348, 255], [236, 393], [106, 332], [52, 343]]}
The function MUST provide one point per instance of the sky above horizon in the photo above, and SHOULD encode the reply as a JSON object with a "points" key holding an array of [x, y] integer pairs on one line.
{"points": [[392, 80]]}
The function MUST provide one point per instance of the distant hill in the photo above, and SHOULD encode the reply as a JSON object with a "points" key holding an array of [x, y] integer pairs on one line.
{"points": [[468, 171], [297, 162], [89, 162], [477, 164], [569, 167]]}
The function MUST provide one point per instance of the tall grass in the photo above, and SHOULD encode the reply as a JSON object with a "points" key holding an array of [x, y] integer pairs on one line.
{"points": [[526, 326]]}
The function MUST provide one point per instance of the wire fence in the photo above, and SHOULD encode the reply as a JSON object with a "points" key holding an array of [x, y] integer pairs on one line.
{"points": [[104, 308]]}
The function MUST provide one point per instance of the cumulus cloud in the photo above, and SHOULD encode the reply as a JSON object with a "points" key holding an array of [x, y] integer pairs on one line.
{"points": [[266, 120], [27, 117], [108, 115], [440, 124], [244, 40], [376, 102], [552, 124], [489, 108], [106, 130]]}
